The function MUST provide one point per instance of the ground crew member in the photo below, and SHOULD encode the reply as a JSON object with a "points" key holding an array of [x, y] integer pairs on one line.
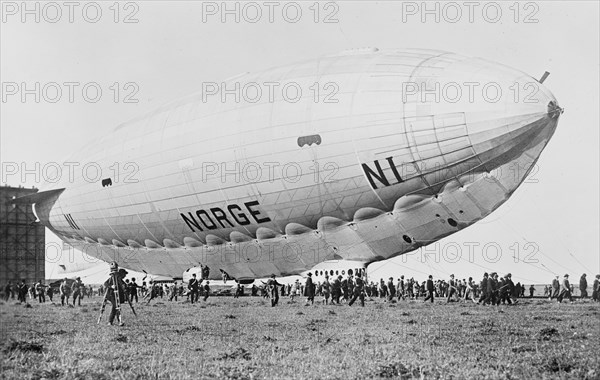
{"points": [[50, 293], [22, 289], [583, 286], [392, 289], [326, 289], [194, 287], [110, 294], [309, 290], [133, 290], [76, 289], [7, 291], [273, 290], [358, 290], [531, 290], [596, 289], [153, 293], [65, 292], [206, 290], [492, 289], [400, 288], [470, 290], [555, 288], [337, 290], [565, 290], [451, 287], [430, 289], [174, 290], [40, 290]]}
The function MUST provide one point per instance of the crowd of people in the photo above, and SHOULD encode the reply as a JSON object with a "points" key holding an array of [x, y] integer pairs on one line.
{"points": [[67, 290], [492, 289]]}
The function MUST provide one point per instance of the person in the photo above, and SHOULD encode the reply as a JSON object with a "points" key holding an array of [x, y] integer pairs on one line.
{"points": [[133, 290], [50, 293], [531, 291], [336, 290], [154, 291], [492, 289], [430, 287], [451, 287], [205, 272], [565, 290], [555, 288], [206, 290], [506, 290], [116, 288], [273, 290], [358, 290], [194, 287], [400, 288], [7, 290], [173, 291], [309, 290], [583, 286], [596, 289], [391, 288], [383, 290], [22, 291], [239, 291], [76, 289], [470, 290], [295, 290], [484, 287], [326, 289], [41, 291], [65, 292]]}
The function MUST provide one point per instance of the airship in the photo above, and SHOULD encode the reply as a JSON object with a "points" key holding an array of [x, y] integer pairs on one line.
{"points": [[359, 156]]}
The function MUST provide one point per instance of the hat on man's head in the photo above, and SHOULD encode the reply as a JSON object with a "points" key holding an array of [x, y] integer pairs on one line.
{"points": [[566, 275]]}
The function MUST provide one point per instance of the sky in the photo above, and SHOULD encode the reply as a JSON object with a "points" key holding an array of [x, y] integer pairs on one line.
{"points": [[144, 54]]}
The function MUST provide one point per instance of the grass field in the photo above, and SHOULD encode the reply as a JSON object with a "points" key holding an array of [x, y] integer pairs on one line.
{"points": [[247, 339]]}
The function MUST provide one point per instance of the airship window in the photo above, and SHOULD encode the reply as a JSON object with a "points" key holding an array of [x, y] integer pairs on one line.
{"points": [[452, 222], [106, 182], [407, 239], [309, 140]]}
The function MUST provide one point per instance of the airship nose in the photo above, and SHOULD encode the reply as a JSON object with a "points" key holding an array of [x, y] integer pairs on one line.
{"points": [[505, 110]]}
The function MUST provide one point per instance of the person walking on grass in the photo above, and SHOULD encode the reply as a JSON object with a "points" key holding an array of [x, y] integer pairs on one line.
{"points": [[194, 288], [65, 292], [565, 290], [309, 290], [555, 288], [430, 289], [358, 291], [583, 286]]}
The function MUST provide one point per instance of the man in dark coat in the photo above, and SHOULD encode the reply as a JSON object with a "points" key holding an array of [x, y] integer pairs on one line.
{"points": [[484, 285], [492, 289], [337, 290], [555, 288], [309, 290], [358, 291], [451, 288], [596, 289], [273, 289], [583, 286], [565, 290], [391, 289], [194, 287], [430, 289]]}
